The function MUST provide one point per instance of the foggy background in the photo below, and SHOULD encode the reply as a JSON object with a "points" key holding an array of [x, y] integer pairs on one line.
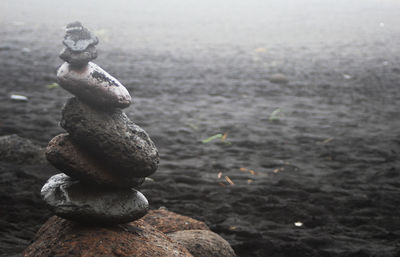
{"points": [[188, 24]]}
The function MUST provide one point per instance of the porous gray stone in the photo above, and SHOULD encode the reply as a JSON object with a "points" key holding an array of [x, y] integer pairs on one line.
{"points": [[78, 163], [77, 201], [78, 38], [78, 59], [112, 136], [94, 86]]}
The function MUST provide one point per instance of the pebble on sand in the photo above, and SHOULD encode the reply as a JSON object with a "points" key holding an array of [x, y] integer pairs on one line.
{"points": [[278, 78], [20, 98]]}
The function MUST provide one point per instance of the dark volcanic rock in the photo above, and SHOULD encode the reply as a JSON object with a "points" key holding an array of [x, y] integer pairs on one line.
{"points": [[20, 150], [22, 209], [78, 38], [168, 222], [78, 59], [93, 85], [69, 158], [74, 200], [203, 243], [59, 237], [124, 145]]}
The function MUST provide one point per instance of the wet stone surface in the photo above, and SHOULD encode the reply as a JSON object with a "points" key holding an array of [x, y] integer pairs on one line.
{"points": [[77, 201], [94, 86]]}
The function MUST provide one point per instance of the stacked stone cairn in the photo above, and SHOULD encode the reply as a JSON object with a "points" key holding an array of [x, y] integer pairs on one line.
{"points": [[104, 156]]}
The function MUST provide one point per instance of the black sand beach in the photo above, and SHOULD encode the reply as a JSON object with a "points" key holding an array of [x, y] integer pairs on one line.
{"points": [[309, 160]]}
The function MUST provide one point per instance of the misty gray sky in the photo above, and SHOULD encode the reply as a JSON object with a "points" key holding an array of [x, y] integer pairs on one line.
{"points": [[218, 22]]}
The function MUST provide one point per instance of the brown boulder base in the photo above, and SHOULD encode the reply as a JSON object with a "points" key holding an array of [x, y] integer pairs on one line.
{"points": [[69, 158], [203, 243], [60, 237], [168, 222]]}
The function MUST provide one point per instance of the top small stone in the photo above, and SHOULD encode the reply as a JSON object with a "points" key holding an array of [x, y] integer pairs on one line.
{"points": [[79, 38]]}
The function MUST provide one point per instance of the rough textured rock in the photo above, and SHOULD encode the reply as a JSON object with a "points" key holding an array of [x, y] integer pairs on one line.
{"points": [[124, 145], [74, 200], [203, 243], [167, 221], [59, 237], [94, 85], [78, 38], [69, 158], [79, 59], [14, 148]]}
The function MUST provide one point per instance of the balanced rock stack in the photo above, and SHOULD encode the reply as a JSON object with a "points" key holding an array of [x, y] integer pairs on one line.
{"points": [[104, 155]]}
